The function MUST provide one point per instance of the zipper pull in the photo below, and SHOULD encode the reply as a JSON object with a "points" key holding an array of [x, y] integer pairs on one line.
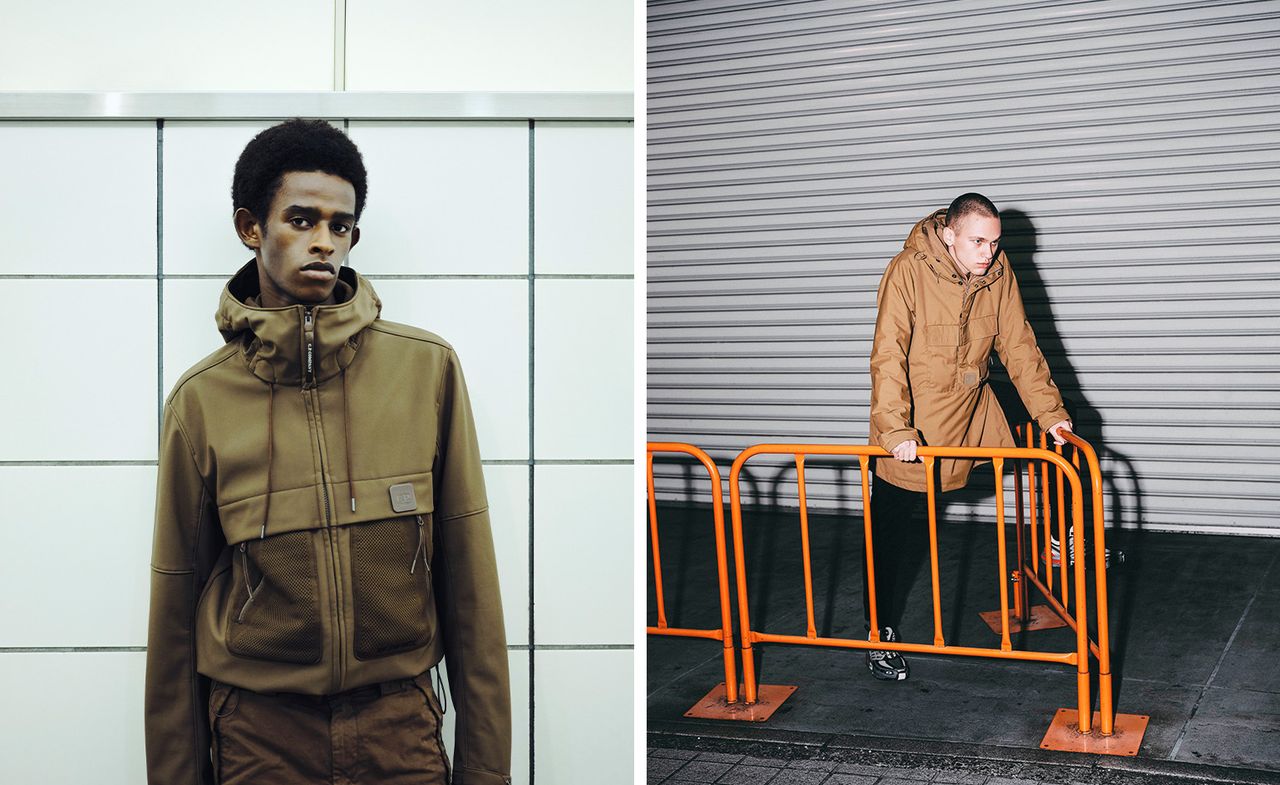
{"points": [[248, 585], [308, 327], [422, 547]]}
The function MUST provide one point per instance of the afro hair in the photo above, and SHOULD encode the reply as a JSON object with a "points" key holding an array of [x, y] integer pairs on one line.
{"points": [[295, 145]]}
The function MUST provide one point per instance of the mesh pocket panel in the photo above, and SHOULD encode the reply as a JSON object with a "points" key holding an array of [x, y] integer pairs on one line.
{"points": [[391, 611], [282, 622]]}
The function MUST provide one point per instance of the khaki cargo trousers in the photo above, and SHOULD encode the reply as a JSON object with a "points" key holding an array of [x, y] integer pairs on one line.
{"points": [[384, 733]]}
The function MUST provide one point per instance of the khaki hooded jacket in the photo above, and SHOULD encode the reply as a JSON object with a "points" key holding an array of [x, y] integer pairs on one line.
{"points": [[321, 525], [935, 329]]}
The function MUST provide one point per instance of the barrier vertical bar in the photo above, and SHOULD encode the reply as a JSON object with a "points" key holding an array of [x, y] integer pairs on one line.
{"points": [[653, 536], [933, 551], [1005, 644], [804, 547], [1021, 609], [1062, 534], [1048, 516], [1082, 615], [863, 462], [1106, 710], [735, 511], [1033, 508]]}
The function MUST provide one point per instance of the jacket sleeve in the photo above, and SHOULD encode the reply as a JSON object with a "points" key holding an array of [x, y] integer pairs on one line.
{"points": [[1021, 355], [891, 409], [465, 578], [186, 539]]}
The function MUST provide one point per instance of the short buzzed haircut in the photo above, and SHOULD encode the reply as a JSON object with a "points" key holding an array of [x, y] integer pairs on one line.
{"points": [[970, 204]]}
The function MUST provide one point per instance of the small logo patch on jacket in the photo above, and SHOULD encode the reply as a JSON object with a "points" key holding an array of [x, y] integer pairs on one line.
{"points": [[403, 498]]}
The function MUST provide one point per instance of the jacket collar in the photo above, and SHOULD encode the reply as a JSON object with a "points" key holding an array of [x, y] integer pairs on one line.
{"points": [[925, 241], [274, 340]]}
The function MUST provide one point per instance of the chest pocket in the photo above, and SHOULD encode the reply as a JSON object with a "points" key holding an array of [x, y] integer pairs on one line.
{"points": [[935, 367], [977, 337], [391, 585]]}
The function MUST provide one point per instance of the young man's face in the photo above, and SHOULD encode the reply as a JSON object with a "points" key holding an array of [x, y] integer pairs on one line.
{"points": [[973, 242], [304, 238]]}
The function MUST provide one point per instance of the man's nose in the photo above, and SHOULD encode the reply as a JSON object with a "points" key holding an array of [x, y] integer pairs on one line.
{"points": [[322, 241]]}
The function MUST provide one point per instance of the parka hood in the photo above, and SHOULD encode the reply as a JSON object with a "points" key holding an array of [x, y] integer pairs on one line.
{"points": [[272, 339], [925, 241]]}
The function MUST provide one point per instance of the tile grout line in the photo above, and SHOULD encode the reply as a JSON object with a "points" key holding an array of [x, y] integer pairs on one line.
{"points": [[532, 452], [159, 278], [1177, 745]]}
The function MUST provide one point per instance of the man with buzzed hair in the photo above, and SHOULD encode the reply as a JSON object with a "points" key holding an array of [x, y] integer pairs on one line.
{"points": [[945, 301]]}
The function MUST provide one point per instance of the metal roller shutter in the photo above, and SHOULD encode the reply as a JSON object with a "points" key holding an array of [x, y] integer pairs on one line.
{"points": [[1133, 149]]}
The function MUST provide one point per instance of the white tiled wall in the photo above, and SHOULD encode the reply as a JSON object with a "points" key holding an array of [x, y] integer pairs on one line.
{"points": [[447, 247], [149, 45], [584, 395], [448, 198], [91, 192], [498, 45], [78, 549], [495, 45], [583, 723], [80, 369], [582, 552], [72, 717], [584, 198]]}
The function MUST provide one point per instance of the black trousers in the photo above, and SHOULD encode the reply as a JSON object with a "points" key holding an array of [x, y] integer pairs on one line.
{"points": [[900, 537]]}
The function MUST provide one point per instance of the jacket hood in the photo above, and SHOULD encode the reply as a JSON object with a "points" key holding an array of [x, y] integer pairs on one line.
{"points": [[925, 241], [274, 340]]}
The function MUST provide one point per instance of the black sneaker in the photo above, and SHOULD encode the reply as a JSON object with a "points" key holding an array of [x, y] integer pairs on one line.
{"points": [[887, 665]]}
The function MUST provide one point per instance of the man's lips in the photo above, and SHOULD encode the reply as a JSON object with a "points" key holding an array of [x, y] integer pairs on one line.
{"points": [[318, 271]]}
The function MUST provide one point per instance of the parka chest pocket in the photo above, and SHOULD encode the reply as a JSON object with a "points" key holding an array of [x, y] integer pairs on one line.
{"points": [[939, 360], [977, 337], [274, 612], [391, 585]]}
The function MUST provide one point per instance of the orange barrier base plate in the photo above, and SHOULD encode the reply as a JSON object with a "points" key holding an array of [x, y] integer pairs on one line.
{"points": [[1125, 739], [768, 698], [1042, 617]]}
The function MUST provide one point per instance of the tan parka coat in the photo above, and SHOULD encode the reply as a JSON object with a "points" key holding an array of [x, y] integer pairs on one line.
{"points": [[935, 330], [321, 525]]}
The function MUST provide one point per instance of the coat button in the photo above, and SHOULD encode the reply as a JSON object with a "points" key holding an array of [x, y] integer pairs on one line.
{"points": [[921, 256]]}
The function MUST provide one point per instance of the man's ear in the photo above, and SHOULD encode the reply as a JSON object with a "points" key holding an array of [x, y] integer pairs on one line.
{"points": [[355, 236], [247, 228], [948, 236]]}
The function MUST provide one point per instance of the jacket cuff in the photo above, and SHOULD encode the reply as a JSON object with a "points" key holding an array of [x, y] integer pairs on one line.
{"points": [[465, 776], [893, 438], [1047, 421]]}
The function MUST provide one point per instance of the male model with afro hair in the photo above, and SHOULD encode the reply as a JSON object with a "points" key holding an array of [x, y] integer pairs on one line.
{"points": [[322, 537]]}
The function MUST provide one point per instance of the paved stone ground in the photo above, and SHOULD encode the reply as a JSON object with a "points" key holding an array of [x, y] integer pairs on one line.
{"points": [[687, 766]]}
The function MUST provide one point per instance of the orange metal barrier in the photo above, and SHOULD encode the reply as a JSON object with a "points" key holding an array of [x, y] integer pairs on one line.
{"points": [[725, 632], [1026, 574]]}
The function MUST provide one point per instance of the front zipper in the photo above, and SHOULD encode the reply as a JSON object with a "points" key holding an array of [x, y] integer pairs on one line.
{"points": [[312, 394]]}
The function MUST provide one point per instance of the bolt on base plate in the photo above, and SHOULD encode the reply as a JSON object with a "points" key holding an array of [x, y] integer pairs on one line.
{"points": [[1064, 734], [1041, 617], [768, 698]]}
